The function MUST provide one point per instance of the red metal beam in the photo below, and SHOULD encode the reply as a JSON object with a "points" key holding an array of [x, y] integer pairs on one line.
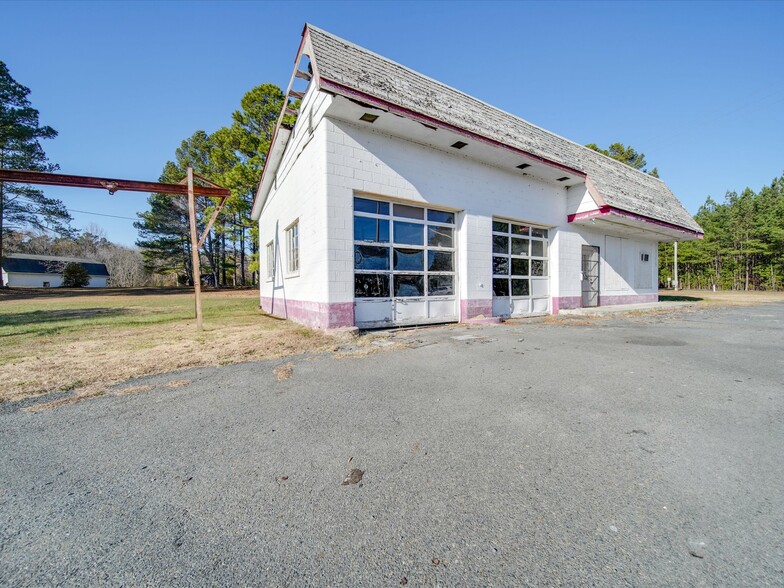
{"points": [[111, 184]]}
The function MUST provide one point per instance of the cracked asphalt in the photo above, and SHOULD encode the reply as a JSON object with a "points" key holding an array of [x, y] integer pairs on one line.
{"points": [[623, 451]]}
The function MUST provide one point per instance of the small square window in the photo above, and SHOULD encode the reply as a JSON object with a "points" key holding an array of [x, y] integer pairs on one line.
{"points": [[292, 248]]}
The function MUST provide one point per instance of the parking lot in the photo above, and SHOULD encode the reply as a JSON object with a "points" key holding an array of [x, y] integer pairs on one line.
{"points": [[624, 450]]}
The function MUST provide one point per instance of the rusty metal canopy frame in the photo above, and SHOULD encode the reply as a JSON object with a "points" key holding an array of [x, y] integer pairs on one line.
{"points": [[186, 187]]}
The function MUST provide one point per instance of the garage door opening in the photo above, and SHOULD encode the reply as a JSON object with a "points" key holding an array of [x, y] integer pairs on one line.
{"points": [[404, 264]]}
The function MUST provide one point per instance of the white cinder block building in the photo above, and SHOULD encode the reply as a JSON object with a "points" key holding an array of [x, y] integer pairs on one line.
{"points": [[395, 199]]}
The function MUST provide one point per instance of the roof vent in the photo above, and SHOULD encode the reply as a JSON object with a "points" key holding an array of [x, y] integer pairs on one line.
{"points": [[523, 165], [369, 118], [563, 179], [459, 144]]}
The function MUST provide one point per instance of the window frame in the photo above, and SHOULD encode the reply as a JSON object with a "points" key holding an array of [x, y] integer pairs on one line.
{"points": [[532, 234], [292, 249], [270, 249], [386, 212]]}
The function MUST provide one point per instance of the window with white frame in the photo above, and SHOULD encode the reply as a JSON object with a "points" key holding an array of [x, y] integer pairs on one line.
{"points": [[271, 260], [403, 251], [292, 248], [520, 257]]}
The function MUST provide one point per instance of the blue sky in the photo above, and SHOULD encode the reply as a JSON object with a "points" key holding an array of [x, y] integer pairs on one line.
{"points": [[698, 87]]}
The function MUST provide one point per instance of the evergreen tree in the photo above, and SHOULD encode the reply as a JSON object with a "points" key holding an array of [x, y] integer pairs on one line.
{"points": [[625, 154], [22, 206]]}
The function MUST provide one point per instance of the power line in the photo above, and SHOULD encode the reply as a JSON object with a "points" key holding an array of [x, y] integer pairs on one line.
{"points": [[87, 211], [100, 214]]}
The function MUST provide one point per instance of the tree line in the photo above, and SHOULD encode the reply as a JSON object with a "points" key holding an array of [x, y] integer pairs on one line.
{"points": [[232, 156], [743, 247]]}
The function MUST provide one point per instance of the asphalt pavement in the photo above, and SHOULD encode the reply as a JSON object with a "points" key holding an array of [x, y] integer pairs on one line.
{"points": [[622, 451]]}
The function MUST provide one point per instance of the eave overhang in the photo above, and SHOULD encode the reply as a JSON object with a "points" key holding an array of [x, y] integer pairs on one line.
{"points": [[608, 217]]}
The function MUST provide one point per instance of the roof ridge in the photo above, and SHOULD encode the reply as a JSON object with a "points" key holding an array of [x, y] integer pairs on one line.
{"points": [[440, 83]]}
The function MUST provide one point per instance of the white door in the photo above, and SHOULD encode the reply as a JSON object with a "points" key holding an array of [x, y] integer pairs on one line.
{"points": [[404, 264]]}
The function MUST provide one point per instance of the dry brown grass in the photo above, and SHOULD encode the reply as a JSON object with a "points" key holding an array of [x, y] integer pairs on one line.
{"points": [[177, 383], [90, 358], [284, 372], [724, 297]]}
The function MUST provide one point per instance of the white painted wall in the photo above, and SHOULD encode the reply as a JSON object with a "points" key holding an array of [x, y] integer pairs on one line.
{"points": [[328, 160], [359, 159], [621, 271], [299, 192]]}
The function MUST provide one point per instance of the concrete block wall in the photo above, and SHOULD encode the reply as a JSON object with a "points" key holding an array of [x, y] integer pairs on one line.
{"points": [[360, 159], [299, 194]]}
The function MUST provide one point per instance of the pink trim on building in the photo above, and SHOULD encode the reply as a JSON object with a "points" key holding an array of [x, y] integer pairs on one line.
{"points": [[610, 210], [320, 315], [627, 299], [470, 309], [563, 302]]}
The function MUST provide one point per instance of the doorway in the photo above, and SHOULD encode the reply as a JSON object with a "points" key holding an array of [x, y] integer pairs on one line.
{"points": [[590, 280]]}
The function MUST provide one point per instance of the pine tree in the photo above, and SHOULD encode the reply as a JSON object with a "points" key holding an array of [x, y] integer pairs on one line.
{"points": [[22, 206]]}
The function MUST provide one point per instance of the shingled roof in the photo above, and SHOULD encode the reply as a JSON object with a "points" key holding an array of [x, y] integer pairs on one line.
{"points": [[40, 264], [363, 71]]}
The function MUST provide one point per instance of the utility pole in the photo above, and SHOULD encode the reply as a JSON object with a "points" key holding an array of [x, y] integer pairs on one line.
{"points": [[196, 266], [675, 266]]}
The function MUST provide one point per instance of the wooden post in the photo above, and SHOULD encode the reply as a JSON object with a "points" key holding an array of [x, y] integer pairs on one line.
{"points": [[194, 249], [675, 266]]}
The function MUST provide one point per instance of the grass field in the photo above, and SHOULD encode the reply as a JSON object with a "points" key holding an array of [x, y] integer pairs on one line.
{"points": [[87, 341], [722, 297]]}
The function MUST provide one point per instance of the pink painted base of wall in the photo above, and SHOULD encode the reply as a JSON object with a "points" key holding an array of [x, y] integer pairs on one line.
{"points": [[320, 315], [471, 309], [564, 302]]}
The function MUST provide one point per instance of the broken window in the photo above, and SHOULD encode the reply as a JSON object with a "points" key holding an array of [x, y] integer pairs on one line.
{"points": [[368, 257], [515, 249], [371, 285], [420, 259], [409, 285]]}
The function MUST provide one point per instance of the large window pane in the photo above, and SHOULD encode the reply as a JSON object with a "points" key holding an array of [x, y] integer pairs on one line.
{"points": [[440, 261], [538, 267], [539, 233], [408, 211], [367, 257], [519, 267], [538, 248], [520, 288], [500, 287], [440, 236], [500, 265], [519, 230], [409, 233], [500, 227], [371, 229], [519, 246], [409, 285], [412, 260], [500, 244], [372, 206], [441, 286], [371, 285], [438, 216]]}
